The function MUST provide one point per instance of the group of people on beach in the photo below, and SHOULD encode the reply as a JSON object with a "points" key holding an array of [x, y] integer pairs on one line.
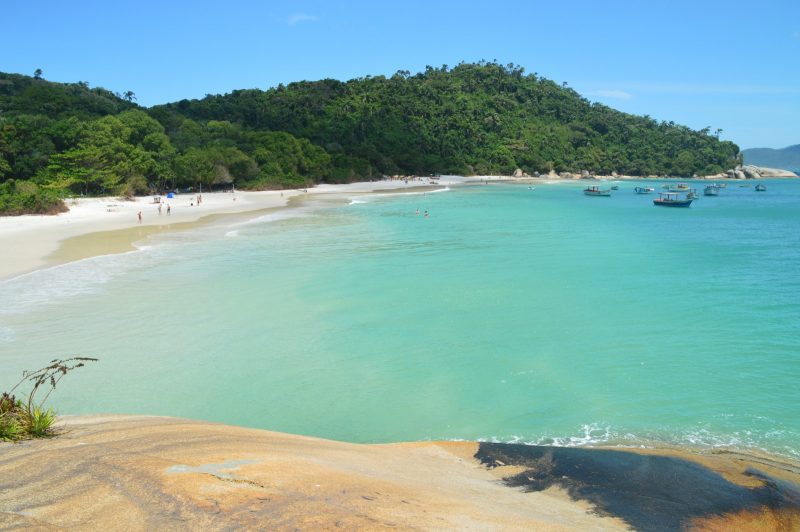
{"points": [[198, 199], [160, 206]]}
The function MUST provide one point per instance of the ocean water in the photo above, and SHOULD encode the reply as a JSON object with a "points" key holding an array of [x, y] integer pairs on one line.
{"points": [[508, 314]]}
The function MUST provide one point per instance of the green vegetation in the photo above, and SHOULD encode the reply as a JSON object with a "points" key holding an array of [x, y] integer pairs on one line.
{"points": [[22, 419], [485, 118]]}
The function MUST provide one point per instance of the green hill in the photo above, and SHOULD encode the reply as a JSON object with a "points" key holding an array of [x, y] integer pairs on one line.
{"points": [[787, 158], [485, 118]]}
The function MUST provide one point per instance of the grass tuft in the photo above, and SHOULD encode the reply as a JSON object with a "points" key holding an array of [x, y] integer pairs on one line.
{"points": [[10, 429], [20, 419]]}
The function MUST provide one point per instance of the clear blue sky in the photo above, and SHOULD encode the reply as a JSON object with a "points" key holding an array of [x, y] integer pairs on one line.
{"points": [[724, 64]]}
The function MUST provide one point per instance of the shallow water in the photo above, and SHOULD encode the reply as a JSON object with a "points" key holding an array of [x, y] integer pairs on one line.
{"points": [[509, 314]]}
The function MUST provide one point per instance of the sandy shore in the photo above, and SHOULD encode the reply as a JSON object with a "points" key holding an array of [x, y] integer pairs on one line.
{"points": [[97, 226], [157, 473]]}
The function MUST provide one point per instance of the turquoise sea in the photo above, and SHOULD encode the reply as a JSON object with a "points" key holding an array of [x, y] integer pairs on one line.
{"points": [[509, 314]]}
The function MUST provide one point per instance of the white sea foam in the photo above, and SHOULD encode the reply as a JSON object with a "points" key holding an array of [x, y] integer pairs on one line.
{"points": [[598, 434], [84, 276], [272, 217], [356, 202], [58, 282], [412, 193], [232, 233]]}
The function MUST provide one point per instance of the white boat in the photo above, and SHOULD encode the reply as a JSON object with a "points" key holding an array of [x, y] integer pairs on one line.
{"points": [[644, 190], [711, 190]]}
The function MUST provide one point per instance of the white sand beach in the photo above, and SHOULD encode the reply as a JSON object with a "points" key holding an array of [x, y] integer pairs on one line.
{"points": [[29, 242], [32, 242]]}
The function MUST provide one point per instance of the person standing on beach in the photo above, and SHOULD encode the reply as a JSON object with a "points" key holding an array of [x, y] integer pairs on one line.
{"points": [[139, 214], [159, 209], [169, 209]]}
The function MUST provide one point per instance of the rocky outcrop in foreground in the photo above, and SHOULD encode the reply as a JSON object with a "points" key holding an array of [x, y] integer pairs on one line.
{"points": [[154, 473]]}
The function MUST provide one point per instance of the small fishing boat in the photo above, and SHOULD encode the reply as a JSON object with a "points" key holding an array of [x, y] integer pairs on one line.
{"points": [[596, 191], [711, 190], [644, 190], [671, 199], [761, 188], [721, 185], [680, 187], [692, 194]]}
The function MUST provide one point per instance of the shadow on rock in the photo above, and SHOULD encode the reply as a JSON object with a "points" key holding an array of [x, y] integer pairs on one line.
{"points": [[648, 492]]}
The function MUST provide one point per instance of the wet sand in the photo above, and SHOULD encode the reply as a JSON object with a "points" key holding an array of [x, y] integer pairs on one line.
{"points": [[122, 240], [100, 226]]}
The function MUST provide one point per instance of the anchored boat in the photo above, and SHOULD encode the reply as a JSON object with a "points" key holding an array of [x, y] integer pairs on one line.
{"points": [[761, 188], [596, 191], [711, 190], [644, 190], [671, 199]]}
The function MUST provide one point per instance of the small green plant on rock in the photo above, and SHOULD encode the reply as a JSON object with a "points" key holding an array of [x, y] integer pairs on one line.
{"points": [[20, 419]]}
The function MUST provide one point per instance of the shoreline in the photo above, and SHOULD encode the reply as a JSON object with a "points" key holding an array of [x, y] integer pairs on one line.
{"points": [[104, 226], [160, 472]]}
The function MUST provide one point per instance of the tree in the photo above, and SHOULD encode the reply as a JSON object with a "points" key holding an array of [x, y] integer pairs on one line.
{"points": [[37, 74], [129, 96]]}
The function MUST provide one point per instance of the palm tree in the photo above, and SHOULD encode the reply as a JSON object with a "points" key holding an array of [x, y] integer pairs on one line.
{"points": [[129, 95], [37, 74]]}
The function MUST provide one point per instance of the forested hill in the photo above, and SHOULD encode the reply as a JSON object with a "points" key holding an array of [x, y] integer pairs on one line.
{"points": [[60, 139], [474, 118]]}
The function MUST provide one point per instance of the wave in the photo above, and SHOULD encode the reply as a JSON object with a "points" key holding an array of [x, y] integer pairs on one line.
{"points": [[62, 281], [412, 193], [272, 217], [599, 434]]}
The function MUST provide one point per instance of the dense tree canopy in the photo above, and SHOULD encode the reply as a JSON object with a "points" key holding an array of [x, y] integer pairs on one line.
{"points": [[484, 118]]}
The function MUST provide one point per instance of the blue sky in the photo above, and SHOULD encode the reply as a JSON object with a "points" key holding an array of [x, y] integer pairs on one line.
{"points": [[729, 65]]}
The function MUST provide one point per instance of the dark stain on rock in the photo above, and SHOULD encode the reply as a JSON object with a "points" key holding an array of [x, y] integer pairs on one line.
{"points": [[648, 492]]}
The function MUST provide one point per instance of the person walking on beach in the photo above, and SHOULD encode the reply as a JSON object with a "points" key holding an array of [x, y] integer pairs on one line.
{"points": [[169, 209], [159, 209], [139, 214]]}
